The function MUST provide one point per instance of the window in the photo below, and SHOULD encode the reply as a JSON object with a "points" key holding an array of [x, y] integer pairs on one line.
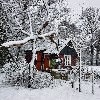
{"points": [[67, 60]]}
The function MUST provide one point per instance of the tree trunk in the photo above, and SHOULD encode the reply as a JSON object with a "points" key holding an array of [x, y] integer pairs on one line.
{"points": [[80, 72], [97, 56], [92, 53], [92, 81], [32, 64]]}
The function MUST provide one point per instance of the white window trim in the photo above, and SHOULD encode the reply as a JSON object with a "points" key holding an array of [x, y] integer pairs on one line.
{"points": [[68, 60]]}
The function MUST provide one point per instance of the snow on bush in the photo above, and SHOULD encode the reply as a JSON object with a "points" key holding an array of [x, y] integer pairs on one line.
{"points": [[41, 80], [14, 72], [19, 76]]}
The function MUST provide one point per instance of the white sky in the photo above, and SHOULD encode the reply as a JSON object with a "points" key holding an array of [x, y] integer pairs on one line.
{"points": [[77, 5]]}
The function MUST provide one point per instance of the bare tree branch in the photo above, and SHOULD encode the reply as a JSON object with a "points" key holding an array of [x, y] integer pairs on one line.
{"points": [[21, 27], [30, 23]]}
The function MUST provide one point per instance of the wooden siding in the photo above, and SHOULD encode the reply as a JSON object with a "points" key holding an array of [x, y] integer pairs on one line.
{"points": [[39, 61], [73, 60], [38, 66], [46, 62]]}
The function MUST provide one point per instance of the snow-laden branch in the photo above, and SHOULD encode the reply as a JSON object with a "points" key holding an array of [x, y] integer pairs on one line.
{"points": [[94, 42], [46, 34], [30, 23], [7, 44]]}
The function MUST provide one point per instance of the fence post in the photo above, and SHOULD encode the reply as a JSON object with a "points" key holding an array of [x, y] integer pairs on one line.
{"points": [[80, 73], [92, 81]]}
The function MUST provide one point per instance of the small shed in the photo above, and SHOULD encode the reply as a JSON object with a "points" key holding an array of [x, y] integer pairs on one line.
{"points": [[69, 56], [66, 56]]}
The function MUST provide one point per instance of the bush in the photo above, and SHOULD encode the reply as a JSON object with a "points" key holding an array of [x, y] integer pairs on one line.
{"points": [[20, 76]]}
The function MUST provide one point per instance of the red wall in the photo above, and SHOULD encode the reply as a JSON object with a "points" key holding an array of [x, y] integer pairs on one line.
{"points": [[39, 61], [42, 61], [73, 60], [46, 62]]}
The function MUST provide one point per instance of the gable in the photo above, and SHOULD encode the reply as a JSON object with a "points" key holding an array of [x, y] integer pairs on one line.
{"points": [[68, 51], [62, 43]]}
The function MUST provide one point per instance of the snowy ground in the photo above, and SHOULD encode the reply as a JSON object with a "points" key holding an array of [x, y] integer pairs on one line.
{"points": [[62, 91]]}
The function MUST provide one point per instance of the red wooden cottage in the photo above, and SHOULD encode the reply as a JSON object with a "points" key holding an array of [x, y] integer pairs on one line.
{"points": [[67, 56]]}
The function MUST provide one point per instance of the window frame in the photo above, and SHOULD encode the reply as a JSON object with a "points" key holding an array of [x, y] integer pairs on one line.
{"points": [[67, 60]]}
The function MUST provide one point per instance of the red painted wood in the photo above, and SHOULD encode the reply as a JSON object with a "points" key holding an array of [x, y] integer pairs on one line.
{"points": [[38, 66], [46, 62], [73, 61], [39, 61], [39, 56]]}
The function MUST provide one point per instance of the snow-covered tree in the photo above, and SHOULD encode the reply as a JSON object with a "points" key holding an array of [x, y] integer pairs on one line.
{"points": [[32, 22], [4, 31], [97, 46], [31, 17], [90, 24], [69, 30]]}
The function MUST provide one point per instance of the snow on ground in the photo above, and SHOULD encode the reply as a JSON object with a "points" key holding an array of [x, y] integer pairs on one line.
{"points": [[94, 68], [62, 91]]}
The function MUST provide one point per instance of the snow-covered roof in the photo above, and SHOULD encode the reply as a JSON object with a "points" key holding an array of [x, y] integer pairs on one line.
{"points": [[63, 43], [52, 47]]}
